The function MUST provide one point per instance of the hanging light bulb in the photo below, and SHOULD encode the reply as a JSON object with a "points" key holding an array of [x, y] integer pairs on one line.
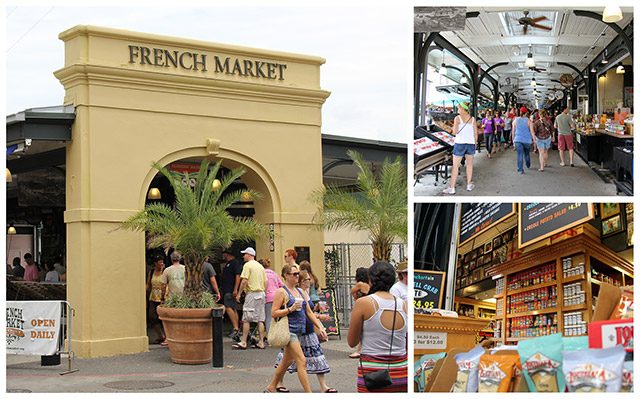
{"points": [[530, 62], [604, 57], [464, 80], [154, 194], [533, 82], [611, 14], [443, 67], [516, 50], [11, 230], [9, 177], [593, 69], [620, 70], [215, 186]]}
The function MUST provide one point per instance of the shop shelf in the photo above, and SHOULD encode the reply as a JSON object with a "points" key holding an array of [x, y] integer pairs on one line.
{"points": [[573, 278], [580, 306], [533, 312], [532, 287]]}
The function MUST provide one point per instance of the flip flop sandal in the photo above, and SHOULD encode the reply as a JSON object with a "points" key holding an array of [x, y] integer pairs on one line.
{"points": [[282, 389], [355, 356], [239, 347], [256, 346], [330, 390]]}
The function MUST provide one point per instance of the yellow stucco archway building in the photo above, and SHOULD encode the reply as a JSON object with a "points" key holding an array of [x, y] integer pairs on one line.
{"points": [[140, 98]]}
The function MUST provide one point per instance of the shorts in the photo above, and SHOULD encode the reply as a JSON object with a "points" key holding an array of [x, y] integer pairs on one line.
{"points": [[460, 150], [293, 337], [230, 301], [544, 144], [253, 309], [565, 142]]}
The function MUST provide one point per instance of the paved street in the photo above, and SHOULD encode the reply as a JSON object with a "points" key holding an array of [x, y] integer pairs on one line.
{"points": [[498, 176], [153, 371]]}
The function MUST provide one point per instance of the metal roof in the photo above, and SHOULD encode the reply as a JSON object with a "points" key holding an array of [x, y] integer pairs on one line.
{"points": [[497, 36]]}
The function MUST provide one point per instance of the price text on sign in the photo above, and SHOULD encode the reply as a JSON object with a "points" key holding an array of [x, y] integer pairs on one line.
{"points": [[430, 340], [427, 289]]}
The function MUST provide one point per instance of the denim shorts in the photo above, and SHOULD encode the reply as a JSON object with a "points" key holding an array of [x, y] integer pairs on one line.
{"points": [[544, 144], [293, 337], [460, 150]]}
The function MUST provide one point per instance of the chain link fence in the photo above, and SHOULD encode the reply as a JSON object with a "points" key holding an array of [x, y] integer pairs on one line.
{"points": [[341, 262]]}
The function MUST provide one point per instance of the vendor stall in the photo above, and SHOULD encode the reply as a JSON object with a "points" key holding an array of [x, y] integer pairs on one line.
{"points": [[549, 276]]}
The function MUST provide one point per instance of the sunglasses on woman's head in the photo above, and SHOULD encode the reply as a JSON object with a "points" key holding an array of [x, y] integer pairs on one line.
{"points": [[295, 273]]}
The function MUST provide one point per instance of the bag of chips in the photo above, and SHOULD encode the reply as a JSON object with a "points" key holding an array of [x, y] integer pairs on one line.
{"points": [[495, 372], [594, 370], [627, 376], [541, 360], [467, 376], [423, 368], [575, 343]]}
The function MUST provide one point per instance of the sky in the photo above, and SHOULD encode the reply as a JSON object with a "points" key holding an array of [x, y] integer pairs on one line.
{"points": [[368, 52]]}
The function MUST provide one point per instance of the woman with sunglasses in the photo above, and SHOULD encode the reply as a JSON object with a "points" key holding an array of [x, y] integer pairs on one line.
{"points": [[316, 361], [290, 301], [466, 132]]}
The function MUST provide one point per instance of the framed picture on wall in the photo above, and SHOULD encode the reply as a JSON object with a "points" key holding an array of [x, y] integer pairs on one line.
{"points": [[609, 209], [497, 241], [612, 225], [487, 247]]}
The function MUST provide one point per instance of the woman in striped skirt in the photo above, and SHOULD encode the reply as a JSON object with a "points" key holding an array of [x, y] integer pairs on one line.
{"points": [[379, 322]]}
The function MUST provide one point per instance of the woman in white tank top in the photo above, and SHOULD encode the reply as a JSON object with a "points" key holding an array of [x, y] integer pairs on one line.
{"points": [[466, 132], [382, 332]]}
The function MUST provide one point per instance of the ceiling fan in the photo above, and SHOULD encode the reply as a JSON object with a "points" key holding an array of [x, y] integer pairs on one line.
{"points": [[527, 22]]}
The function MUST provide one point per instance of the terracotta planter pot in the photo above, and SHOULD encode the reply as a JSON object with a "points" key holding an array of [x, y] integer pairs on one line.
{"points": [[188, 334]]}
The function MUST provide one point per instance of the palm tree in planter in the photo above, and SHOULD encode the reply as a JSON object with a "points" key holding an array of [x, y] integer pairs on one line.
{"points": [[378, 205], [197, 224]]}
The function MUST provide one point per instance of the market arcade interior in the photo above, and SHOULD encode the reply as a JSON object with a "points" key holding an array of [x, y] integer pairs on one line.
{"points": [[538, 58]]}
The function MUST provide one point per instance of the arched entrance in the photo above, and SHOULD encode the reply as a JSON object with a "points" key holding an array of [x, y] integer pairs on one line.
{"points": [[134, 105]]}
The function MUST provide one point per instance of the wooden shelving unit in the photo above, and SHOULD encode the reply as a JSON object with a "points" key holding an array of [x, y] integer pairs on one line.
{"points": [[585, 247]]}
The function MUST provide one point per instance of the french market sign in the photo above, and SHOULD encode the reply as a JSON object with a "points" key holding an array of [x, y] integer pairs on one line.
{"points": [[192, 61]]}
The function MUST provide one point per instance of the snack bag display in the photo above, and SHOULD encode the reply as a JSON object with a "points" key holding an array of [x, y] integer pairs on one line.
{"points": [[541, 360], [423, 368], [467, 375], [627, 376], [495, 372], [594, 370], [575, 343]]}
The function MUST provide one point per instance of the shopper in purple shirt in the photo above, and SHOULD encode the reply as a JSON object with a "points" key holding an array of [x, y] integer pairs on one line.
{"points": [[489, 129]]}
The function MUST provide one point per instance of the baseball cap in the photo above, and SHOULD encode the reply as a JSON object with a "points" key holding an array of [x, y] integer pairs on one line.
{"points": [[249, 251], [523, 109]]}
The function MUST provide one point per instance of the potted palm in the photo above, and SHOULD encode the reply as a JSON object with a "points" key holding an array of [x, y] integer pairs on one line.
{"points": [[378, 205], [198, 223]]}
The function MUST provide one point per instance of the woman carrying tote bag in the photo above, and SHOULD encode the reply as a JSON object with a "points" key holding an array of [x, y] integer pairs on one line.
{"points": [[289, 301], [379, 321]]}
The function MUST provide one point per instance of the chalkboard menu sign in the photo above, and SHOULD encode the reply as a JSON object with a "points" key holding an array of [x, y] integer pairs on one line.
{"points": [[327, 305], [428, 287], [537, 221], [477, 217]]}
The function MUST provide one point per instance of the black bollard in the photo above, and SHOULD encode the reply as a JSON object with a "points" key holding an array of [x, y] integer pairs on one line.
{"points": [[217, 314]]}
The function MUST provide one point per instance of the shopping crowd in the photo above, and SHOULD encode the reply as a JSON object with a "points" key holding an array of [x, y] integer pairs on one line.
{"points": [[378, 325], [520, 129]]}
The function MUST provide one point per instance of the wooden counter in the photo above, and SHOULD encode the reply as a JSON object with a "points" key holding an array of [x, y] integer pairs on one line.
{"points": [[460, 332]]}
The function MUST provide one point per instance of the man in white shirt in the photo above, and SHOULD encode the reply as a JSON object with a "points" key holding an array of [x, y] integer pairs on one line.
{"points": [[399, 289]]}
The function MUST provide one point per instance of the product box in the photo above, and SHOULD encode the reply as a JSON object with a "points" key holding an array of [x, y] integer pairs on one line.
{"points": [[609, 333], [607, 302]]}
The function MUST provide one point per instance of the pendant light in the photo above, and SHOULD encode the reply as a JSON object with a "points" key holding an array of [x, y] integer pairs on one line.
{"points": [[604, 57], [9, 177], [464, 80], [620, 70], [154, 194], [530, 62], [593, 70], [11, 230], [215, 186], [443, 67], [611, 14], [533, 82]]}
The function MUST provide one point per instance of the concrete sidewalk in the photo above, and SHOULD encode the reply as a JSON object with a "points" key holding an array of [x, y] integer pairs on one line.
{"points": [[498, 176], [245, 371]]}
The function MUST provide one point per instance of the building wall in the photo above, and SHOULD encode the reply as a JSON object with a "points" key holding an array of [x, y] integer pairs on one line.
{"points": [[131, 114]]}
